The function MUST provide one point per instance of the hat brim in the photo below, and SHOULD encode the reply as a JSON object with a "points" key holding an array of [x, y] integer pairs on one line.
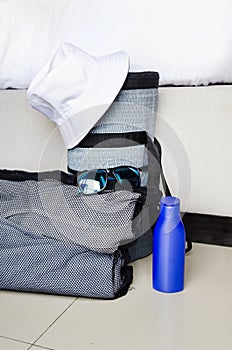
{"points": [[104, 89]]}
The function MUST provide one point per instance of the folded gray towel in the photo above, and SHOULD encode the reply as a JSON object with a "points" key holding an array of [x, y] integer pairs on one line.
{"points": [[34, 263]]}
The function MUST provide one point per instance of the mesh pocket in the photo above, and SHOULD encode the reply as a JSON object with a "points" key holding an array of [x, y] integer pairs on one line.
{"points": [[103, 151]]}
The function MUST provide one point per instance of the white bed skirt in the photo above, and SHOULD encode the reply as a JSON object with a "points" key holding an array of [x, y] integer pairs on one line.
{"points": [[194, 126]]}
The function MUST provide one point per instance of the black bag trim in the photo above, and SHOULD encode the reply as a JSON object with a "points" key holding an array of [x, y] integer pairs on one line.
{"points": [[93, 140], [20, 175], [127, 272], [141, 80]]}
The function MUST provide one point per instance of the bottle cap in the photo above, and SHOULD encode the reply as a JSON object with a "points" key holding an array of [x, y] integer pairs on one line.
{"points": [[170, 201], [170, 206]]}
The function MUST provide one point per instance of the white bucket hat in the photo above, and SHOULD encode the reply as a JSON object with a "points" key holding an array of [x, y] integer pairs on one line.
{"points": [[74, 89]]}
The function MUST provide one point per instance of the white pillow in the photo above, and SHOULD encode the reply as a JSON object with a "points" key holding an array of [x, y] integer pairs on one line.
{"points": [[187, 42]]}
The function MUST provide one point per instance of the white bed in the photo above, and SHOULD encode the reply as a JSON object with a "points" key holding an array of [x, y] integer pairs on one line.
{"points": [[188, 43]]}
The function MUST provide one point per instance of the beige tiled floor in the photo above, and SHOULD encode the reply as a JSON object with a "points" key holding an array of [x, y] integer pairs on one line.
{"points": [[198, 318]]}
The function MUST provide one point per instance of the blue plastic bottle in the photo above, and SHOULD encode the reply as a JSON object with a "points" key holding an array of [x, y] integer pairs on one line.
{"points": [[169, 247]]}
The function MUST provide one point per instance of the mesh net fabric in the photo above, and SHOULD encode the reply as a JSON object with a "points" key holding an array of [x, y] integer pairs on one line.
{"points": [[29, 262], [54, 209], [33, 259]]}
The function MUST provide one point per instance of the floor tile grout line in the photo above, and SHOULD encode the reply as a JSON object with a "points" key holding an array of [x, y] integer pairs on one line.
{"points": [[24, 342], [15, 339], [62, 313], [39, 347]]}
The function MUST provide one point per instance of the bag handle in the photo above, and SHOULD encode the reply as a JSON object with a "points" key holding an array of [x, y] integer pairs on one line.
{"points": [[164, 182]]}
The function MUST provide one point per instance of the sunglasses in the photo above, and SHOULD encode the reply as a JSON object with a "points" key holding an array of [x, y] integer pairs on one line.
{"points": [[95, 181]]}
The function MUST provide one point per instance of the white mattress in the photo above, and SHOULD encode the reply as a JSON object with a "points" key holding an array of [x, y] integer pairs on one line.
{"points": [[187, 42], [194, 126]]}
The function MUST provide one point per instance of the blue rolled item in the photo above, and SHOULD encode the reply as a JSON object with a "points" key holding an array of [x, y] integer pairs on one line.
{"points": [[169, 248]]}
